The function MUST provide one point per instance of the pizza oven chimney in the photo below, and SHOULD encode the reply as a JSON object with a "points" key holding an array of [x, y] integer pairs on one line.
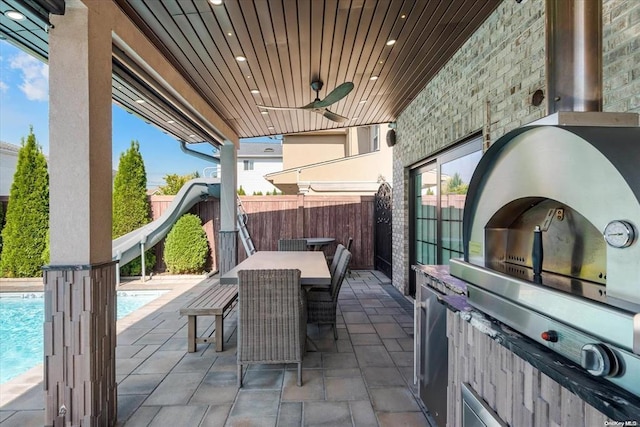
{"points": [[574, 55]]}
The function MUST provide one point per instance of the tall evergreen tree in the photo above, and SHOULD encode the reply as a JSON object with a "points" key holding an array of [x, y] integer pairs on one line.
{"points": [[26, 231], [131, 208]]}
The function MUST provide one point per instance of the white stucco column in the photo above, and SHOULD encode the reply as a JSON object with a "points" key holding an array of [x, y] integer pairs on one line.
{"points": [[79, 325], [228, 208], [80, 137]]}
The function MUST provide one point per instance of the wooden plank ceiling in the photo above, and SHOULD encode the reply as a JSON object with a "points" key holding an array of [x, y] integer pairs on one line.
{"points": [[287, 45], [290, 43]]}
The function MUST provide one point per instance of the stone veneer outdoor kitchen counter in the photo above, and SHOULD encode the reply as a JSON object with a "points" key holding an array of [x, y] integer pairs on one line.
{"points": [[612, 401]]}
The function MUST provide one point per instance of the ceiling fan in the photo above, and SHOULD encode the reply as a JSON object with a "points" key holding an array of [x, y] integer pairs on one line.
{"points": [[320, 105]]}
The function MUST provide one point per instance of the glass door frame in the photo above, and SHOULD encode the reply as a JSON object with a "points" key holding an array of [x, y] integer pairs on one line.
{"points": [[468, 146]]}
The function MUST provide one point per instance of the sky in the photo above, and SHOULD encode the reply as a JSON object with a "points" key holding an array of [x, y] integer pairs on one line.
{"points": [[24, 102]]}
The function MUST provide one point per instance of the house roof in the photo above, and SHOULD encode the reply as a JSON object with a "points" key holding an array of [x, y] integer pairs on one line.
{"points": [[260, 149], [5, 146]]}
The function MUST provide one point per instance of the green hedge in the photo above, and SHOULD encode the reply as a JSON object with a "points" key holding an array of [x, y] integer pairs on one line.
{"points": [[186, 246], [26, 231]]}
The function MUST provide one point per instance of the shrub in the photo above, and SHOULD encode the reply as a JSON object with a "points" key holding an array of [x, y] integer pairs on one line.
{"points": [[186, 246], [175, 183], [26, 231], [131, 208], [241, 191]]}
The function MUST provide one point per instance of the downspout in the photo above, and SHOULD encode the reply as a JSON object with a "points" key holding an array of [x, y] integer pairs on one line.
{"points": [[194, 153]]}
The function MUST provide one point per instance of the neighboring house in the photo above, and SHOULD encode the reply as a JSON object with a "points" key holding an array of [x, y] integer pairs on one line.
{"points": [[8, 164], [342, 161], [255, 160]]}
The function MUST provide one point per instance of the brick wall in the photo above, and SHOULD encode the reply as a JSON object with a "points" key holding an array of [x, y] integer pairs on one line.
{"points": [[487, 86]]}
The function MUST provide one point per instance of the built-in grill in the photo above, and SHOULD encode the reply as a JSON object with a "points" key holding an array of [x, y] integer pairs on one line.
{"points": [[551, 242], [552, 217]]}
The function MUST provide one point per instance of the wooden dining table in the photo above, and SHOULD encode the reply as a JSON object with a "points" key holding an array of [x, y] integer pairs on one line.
{"points": [[314, 272]]}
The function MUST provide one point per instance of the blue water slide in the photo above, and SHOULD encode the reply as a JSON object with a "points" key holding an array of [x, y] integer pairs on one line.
{"points": [[126, 248]]}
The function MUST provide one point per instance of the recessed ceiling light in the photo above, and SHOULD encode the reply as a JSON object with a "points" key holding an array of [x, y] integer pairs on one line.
{"points": [[229, 33], [381, 62], [171, 121], [248, 77], [216, 2], [140, 101], [14, 14], [373, 78], [240, 58], [391, 42], [192, 136], [403, 16], [363, 101], [271, 127], [255, 91], [355, 118], [264, 112]]}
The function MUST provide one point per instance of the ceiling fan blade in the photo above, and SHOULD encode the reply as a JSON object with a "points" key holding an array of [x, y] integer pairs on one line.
{"points": [[269, 107], [334, 96], [334, 117]]}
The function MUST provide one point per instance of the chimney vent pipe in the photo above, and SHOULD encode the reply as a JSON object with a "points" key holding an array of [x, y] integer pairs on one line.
{"points": [[574, 55]]}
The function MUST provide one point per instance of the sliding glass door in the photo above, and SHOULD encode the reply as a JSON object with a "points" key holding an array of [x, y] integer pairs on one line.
{"points": [[438, 192]]}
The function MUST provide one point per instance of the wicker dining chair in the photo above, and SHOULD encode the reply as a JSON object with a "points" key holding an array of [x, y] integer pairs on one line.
{"points": [[292, 244], [271, 318], [322, 304], [336, 258]]}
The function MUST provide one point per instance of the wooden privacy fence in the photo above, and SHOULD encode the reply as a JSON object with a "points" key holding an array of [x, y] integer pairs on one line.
{"points": [[275, 217], [340, 217]]}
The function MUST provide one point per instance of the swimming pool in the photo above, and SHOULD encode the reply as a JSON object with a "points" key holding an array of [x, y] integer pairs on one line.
{"points": [[21, 336]]}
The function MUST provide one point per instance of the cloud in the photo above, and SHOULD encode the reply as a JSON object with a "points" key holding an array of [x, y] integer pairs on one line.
{"points": [[35, 76], [3, 86]]}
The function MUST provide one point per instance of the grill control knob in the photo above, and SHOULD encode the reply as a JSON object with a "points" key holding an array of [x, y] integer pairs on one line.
{"points": [[550, 336], [598, 360]]}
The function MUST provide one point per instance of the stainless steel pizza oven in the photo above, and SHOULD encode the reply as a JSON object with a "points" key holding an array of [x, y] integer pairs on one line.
{"points": [[551, 242]]}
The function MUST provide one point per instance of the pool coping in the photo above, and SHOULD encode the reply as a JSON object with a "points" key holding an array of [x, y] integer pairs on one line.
{"points": [[174, 287]]}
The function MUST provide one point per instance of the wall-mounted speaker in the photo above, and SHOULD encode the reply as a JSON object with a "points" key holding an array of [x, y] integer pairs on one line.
{"points": [[391, 137]]}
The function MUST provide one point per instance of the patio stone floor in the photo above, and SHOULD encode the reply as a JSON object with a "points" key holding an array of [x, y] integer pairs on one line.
{"points": [[365, 378]]}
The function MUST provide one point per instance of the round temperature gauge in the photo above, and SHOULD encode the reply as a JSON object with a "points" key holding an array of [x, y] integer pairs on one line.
{"points": [[619, 234]]}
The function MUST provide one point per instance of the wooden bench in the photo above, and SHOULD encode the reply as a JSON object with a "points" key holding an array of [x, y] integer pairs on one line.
{"points": [[213, 301]]}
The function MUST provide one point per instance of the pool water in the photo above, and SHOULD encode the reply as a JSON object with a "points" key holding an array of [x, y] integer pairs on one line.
{"points": [[21, 326]]}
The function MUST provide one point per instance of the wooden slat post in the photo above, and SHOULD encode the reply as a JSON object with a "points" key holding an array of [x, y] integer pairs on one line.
{"points": [[80, 343], [300, 217]]}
